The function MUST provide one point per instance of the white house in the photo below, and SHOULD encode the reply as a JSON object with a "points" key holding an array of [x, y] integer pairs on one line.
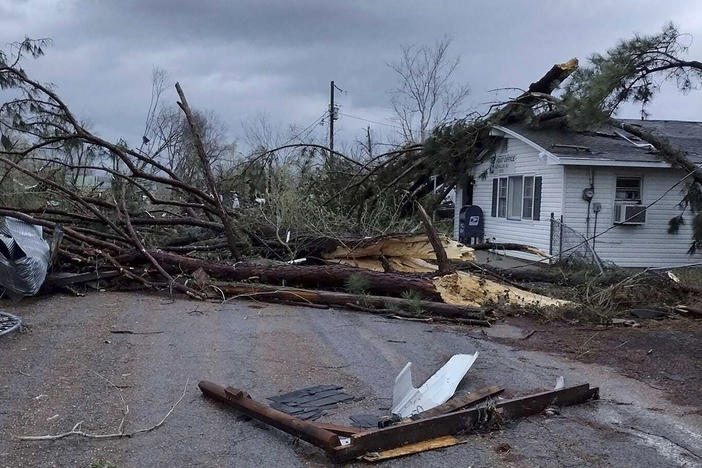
{"points": [[600, 183]]}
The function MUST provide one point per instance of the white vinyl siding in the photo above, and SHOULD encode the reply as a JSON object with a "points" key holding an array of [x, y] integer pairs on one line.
{"points": [[646, 245], [523, 231], [643, 245]]}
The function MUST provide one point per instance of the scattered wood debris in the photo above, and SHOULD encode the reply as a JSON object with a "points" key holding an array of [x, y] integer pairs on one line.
{"points": [[463, 288], [344, 444]]}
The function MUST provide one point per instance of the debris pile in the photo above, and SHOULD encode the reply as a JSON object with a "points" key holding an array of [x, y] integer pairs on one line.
{"points": [[387, 274], [424, 418], [124, 217]]}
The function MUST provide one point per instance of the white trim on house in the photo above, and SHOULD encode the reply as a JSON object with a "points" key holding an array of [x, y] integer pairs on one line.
{"points": [[610, 162]]}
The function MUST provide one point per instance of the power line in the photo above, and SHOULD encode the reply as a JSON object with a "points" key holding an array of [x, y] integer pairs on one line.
{"points": [[309, 127], [370, 121]]}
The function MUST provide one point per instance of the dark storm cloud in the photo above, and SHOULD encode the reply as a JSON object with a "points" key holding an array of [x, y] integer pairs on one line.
{"points": [[243, 58]]}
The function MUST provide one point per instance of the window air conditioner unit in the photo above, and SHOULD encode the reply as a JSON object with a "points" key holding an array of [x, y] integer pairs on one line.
{"points": [[629, 214]]}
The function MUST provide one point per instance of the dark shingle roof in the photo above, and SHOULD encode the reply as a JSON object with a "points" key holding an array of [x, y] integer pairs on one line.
{"points": [[607, 145]]}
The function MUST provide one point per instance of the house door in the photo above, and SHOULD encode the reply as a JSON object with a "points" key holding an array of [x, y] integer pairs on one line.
{"points": [[468, 193]]}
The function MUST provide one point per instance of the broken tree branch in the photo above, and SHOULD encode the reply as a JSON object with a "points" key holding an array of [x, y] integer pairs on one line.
{"points": [[139, 245], [229, 229], [441, 257]]}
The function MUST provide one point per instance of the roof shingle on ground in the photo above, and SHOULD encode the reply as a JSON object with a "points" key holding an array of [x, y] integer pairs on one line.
{"points": [[606, 145]]}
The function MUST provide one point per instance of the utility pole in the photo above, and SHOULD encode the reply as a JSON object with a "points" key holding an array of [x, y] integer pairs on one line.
{"points": [[369, 143], [332, 116]]}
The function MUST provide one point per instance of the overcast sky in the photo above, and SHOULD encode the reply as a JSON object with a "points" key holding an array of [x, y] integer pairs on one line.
{"points": [[245, 58]]}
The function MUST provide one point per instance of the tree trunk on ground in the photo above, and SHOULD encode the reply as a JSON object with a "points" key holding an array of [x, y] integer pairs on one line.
{"points": [[524, 275], [305, 296], [323, 276]]}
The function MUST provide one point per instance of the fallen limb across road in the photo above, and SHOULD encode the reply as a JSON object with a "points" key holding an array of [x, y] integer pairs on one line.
{"points": [[344, 449], [367, 302], [324, 276]]}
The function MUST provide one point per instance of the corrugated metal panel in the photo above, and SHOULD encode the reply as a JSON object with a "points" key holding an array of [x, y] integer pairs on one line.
{"points": [[24, 257]]}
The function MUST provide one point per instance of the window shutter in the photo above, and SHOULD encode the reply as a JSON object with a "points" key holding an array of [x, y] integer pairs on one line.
{"points": [[537, 198], [493, 212]]}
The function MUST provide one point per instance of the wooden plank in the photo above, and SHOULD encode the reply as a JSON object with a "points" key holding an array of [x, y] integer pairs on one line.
{"points": [[459, 421], [433, 444]]}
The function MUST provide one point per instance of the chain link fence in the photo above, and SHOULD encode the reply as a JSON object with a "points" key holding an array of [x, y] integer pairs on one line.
{"points": [[568, 245]]}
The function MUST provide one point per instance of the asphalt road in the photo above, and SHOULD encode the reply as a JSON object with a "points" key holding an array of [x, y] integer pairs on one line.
{"points": [[55, 374]]}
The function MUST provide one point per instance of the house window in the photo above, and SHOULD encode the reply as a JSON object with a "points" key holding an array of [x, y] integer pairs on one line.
{"points": [[514, 194], [502, 198], [628, 190], [517, 197], [628, 202], [528, 198]]}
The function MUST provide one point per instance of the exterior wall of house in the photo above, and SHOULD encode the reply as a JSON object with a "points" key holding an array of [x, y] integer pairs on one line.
{"points": [[647, 245], [518, 158]]}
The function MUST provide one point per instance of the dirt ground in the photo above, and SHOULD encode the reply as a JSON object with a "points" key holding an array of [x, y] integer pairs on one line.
{"points": [[665, 354], [70, 366]]}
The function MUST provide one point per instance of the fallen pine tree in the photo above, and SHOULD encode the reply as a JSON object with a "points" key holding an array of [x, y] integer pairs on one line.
{"points": [[316, 276], [149, 206], [458, 288], [364, 302]]}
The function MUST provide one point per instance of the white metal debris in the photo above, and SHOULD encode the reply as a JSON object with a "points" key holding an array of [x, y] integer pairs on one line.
{"points": [[560, 383], [407, 400]]}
